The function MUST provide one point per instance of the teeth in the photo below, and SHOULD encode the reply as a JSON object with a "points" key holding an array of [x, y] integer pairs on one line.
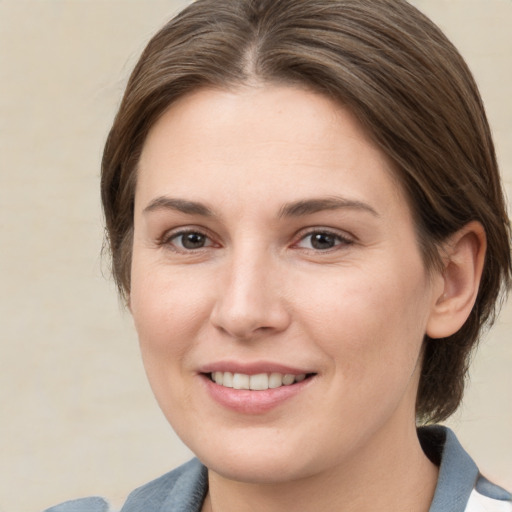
{"points": [[288, 379], [240, 381], [275, 380], [227, 379], [258, 382]]}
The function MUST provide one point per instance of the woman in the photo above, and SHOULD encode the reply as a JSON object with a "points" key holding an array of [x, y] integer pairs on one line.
{"points": [[306, 221]]}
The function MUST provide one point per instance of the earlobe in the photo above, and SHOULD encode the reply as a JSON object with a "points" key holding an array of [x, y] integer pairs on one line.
{"points": [[463, 257]]}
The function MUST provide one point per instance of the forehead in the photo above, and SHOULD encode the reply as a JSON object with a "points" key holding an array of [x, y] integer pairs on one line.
{"points": [[275, 138]]}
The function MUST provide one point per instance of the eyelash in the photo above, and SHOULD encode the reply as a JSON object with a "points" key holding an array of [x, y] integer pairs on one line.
{"points": [[336, 238]]}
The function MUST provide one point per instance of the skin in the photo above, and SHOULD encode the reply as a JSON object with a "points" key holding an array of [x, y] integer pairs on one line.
{"points": [[354, 314]]}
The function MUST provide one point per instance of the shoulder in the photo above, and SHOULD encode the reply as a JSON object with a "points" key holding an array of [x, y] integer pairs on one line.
{"points": [[484, 503], [460, 486], [91, 504], [180, 490], [489, 497]]}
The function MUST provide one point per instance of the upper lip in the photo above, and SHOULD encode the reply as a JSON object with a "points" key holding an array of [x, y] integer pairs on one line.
{"points": [[252, 368]]}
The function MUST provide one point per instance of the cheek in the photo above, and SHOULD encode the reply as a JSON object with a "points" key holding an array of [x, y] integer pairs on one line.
{"points": [[167, 314], [369, 322], [167, 308]]}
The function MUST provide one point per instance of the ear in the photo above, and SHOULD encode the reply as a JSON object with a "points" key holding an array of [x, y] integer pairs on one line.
{"points": [[463, 261]]}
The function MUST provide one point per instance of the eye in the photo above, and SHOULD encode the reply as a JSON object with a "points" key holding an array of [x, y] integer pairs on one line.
{"points": [[322, 240], [189, 240]]}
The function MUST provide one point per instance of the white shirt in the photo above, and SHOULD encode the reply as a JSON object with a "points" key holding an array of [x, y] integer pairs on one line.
{"points": [[480, 503]]}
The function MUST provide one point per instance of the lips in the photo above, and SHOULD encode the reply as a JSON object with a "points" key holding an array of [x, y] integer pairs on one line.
{"points": [[254, 388]]}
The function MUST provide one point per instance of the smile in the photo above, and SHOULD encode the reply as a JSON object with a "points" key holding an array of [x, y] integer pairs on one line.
{"points": [[263, 386], [258, 382]]}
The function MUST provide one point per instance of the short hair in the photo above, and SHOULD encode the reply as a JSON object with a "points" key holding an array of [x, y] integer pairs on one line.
{"points": [[396, 72]]}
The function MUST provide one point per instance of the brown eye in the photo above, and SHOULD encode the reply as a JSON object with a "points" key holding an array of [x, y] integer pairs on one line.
{"points": [[322, 241], [190, 240]]}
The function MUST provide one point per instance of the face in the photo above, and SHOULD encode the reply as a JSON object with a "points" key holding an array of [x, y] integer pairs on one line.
{"points": [[273, 250]]}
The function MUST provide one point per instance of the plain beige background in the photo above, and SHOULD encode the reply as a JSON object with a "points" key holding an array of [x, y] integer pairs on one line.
{"points": [[77, 416]]}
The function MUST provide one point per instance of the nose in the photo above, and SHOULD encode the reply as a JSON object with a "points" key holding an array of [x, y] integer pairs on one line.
{"points": [[250, 300]]}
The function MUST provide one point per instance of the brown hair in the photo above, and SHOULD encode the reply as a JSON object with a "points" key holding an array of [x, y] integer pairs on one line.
{"points": [[400, 76]]}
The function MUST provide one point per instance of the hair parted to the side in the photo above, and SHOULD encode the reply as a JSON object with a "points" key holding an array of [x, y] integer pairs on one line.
{"points": [[399, 75]]}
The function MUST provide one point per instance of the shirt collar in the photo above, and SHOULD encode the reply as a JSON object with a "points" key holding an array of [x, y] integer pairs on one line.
{"points": [[457, 471]]}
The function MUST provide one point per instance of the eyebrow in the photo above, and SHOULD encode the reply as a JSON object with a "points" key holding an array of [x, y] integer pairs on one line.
{"points": [[310, 206], [180, 205], [294, 209]]}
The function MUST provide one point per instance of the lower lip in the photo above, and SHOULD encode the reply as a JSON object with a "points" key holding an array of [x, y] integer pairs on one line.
{"points": [[253, 402]]}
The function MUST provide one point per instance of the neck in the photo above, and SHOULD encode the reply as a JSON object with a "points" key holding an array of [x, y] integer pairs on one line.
{"points": [[391, 474]]}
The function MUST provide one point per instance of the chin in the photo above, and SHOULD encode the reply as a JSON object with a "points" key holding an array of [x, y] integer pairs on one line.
{"points": [[258, 457], [266, 469]]}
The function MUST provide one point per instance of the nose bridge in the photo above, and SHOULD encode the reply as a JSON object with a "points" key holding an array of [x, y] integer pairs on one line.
{"points": [[249, 299]]}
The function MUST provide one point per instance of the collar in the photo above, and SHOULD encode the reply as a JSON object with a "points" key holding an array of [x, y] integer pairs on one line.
{"points": [[458, 473]]}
